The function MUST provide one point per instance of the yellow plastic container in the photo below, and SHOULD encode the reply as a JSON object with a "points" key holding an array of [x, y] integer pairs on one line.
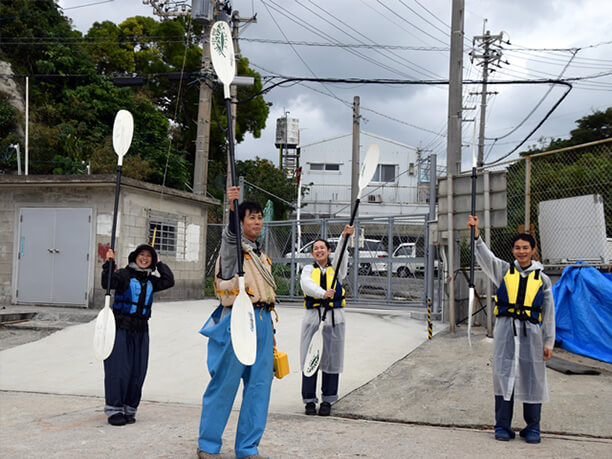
{"points": [[281, 364]]}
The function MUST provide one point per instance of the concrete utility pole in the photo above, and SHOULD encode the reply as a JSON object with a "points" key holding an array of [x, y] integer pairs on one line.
{"points": [[490, 56], [453, 139], [355, 156], [203, 13], [200, 166], [455, 90]]}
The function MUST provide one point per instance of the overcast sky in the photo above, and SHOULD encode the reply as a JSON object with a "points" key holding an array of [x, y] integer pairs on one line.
{"points": [[414, 115]]}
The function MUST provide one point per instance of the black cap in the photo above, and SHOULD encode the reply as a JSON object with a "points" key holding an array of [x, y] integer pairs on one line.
{"points": [[140, 248]]}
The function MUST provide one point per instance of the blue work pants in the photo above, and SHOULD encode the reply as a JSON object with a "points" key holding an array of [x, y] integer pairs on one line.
{"points": [[226, 371]]}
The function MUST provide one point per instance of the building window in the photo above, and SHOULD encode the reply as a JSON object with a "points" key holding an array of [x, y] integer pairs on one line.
{"points": [[334, 167], [163, 234], [384, 173]]}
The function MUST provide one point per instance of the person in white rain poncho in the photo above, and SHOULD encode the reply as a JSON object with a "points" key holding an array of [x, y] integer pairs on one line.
{"points": [[524, 333], [319, 294]]}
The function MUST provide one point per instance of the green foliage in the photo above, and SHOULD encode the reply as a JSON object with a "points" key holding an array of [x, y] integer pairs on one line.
{"points": [[266, 175], [73, 101], [8, 117]]}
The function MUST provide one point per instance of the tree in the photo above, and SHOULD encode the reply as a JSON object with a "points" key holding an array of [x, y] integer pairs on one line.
{"points": [[73, 100], [264, 174]]}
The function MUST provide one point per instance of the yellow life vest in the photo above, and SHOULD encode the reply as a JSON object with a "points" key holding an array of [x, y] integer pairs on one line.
{"points": [[519, 296], [337, 302]]}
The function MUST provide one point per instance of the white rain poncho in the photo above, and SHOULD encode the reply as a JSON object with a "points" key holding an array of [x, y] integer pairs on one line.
{"points": [[518, 363], [332, 358]]}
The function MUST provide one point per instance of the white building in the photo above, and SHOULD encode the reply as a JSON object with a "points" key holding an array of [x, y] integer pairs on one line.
{"points": [[394, 190]]}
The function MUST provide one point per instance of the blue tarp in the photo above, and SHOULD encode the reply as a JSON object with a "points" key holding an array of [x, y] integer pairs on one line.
{"points": [[583, 312]]}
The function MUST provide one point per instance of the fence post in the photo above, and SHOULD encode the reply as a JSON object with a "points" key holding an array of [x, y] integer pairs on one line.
{"points": [[451, 257], [293, 264], [527, 193], [389, 256]]}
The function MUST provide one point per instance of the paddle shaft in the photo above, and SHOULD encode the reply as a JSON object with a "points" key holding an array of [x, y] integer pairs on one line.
{"points": [[341, 256], [111, 266], [232, 164], [472, 228]]}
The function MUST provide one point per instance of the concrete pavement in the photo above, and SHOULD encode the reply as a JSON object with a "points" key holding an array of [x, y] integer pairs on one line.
{"points": [[434, 396], [63, 363]]}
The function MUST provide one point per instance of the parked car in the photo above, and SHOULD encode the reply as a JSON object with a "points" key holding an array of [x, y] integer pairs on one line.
{"points": [[407, 264], [370, 249]]}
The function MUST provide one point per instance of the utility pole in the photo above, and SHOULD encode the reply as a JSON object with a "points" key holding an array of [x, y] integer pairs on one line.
{"points": [[355, 155], [455, 89], [491, 55], [200, 166], [453, 139], [202, 12]]}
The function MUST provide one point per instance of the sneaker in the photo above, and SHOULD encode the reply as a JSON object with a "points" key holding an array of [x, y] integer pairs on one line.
{"points": [[531, 435], [205, 455], [325, 409], [129, 419], [117, 419], [502, 434], [310, 409]]}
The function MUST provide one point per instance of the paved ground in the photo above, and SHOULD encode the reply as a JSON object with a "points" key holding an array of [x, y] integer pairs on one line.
{"points": [[433, 396]]}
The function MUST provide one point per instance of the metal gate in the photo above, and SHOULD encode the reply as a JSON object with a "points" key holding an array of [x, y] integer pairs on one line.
{"points": [[53, 255]]}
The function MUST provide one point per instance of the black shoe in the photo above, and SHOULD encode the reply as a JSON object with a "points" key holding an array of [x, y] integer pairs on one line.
{"points": [[130, 419], [325, 409], [117, 419], [311, 409]]}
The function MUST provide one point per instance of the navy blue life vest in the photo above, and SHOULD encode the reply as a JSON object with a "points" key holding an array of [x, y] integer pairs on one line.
{"points": [[136, 299]]}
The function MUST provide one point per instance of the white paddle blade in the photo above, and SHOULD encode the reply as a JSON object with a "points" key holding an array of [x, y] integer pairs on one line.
{"points": [[368, 167], [104, 333], [242, 327], [471, 300], [123, 129], [222, 54], [313, 355]]}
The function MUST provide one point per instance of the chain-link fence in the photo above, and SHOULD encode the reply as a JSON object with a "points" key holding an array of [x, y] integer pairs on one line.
{"points": [[386, 257], [564, 199]]}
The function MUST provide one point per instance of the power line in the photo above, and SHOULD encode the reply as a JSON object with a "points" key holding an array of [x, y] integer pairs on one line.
{"points": [[345, 45], [411, 65]]}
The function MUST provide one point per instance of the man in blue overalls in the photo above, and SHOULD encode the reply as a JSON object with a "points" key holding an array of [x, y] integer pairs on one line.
{"points": [[224, 368]]}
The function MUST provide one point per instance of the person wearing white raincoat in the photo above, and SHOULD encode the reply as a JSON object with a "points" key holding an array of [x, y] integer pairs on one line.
{"points": [[316, 281], [524, 333]]}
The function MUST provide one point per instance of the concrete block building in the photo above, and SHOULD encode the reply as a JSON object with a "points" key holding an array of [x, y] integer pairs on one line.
{"points": [[56, 231]]}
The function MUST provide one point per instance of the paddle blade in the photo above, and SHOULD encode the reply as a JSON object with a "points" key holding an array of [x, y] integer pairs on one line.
{"points": [[313, 355], [104, 333], [471, 300], [123, 129], [242, 327], [222, 54], [368, 167]]}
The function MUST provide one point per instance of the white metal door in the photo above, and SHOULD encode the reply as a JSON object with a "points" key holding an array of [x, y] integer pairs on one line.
{"points": [[54, 255]]}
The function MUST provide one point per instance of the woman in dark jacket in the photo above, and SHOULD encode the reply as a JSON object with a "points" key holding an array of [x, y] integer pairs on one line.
{"points": [[125, 369]]}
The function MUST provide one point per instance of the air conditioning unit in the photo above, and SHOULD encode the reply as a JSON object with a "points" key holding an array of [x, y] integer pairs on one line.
{"points": [[375, 198]]}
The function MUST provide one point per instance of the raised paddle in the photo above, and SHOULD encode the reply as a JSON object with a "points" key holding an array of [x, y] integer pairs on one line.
{"points": [[104, 334], [472, 297], [315, 348], [242, 321]]}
